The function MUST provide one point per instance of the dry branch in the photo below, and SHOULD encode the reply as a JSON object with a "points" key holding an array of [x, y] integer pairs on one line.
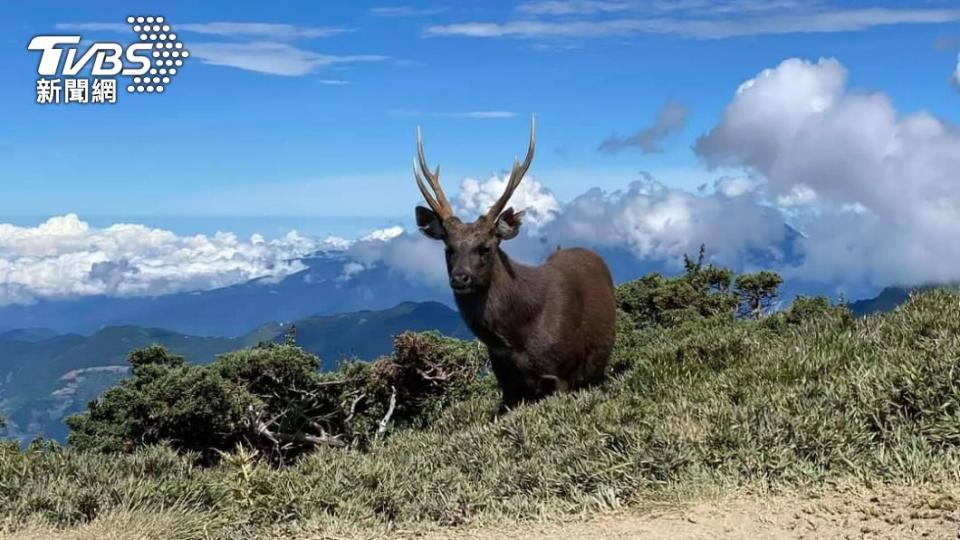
{"points": [[386, 418]]}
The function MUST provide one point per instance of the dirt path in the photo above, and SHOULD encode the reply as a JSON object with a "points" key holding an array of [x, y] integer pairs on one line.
{"points": [[895, 515]]}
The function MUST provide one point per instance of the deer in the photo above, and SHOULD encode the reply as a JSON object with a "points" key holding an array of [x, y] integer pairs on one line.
{"points": [[547, 329]]}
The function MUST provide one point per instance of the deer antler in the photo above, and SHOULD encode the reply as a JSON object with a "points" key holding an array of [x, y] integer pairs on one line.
{"points": [[439, 205], [516, 175]]}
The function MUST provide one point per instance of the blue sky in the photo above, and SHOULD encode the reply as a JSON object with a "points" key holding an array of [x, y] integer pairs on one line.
{"points": [[329, 149]]}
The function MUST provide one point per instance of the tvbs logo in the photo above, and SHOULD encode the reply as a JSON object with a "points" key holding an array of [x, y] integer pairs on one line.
{"points": [[150, 63]]}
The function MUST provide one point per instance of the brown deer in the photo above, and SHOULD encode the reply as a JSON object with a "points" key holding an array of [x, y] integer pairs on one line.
{"points": [[547, 328]]}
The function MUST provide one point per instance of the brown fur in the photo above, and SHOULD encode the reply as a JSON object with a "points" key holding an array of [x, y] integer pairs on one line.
{"points": [[547, 328]]}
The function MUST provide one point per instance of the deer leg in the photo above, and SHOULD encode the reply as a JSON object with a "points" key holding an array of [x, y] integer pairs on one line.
{"points": [[509, 381]]}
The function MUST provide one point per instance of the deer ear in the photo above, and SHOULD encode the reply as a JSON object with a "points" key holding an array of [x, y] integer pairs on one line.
{"points": [[508, 224], [430, 224]]}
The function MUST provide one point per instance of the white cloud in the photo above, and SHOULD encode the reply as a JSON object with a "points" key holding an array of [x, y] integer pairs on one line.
{"points": [[693, 24], [572, 7], [735, 186], [273, 58], [416, 257], [335, 243], [648, 221], [383, 235], [657, 223], [66, 257], [261, 30], [269, 54], [349, 269], [476, 197], [799, 195], [226, 29], [881, 186]]}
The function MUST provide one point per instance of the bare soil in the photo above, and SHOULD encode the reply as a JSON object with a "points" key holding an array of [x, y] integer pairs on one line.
{"points": [[894, 514]]}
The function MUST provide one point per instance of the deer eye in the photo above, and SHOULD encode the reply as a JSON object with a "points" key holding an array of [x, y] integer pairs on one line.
{"points": [[483, 251]]}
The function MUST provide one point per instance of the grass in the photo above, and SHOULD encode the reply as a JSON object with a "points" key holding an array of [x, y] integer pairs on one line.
{"points": [[708, 406]]}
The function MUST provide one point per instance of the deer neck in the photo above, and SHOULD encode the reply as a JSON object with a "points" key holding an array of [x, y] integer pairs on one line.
{"points": [[513, 298]]}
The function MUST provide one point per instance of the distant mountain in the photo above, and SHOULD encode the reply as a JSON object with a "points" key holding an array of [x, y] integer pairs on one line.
{"points": [[28, 334], [330, 284], [368, 334], [43, 380], [320, 289], [888, 299], [891, 297]]}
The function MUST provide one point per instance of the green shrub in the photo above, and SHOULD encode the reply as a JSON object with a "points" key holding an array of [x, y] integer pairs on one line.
{"points": [[272, 398], [810, 308], [194, 409], [701, 292]]}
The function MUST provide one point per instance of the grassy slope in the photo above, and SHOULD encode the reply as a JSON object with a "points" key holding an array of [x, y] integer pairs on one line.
{"points": [[711, 407]]}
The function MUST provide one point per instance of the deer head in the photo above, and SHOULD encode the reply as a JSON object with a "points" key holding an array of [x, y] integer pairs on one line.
{"points": [[471, 248]]}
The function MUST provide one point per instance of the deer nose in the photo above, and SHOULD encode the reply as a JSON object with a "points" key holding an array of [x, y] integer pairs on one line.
{"points": [[459, 280]]}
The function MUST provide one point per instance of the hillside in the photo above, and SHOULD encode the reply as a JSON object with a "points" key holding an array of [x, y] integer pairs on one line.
{"points": [[803, 401], [44, 378], [888, 299]]}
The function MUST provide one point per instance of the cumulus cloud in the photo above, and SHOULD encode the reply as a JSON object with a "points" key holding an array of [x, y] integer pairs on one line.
{"points": [[65, 257], [872, 190], [476, 197], [414, 256], [657, 223], [880, 186], [383, 235], [649, 222], [734, 186], [670, 119]]}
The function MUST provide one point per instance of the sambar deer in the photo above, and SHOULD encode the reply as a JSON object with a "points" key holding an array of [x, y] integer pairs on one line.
{"points": [[547, 328]]}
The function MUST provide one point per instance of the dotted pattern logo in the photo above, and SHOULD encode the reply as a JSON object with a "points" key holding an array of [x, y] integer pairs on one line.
{"points": [[168, 54]]}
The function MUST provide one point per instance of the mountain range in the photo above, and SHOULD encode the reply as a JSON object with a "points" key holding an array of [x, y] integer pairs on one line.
{"points": [[333, 281], [889, 298], [319, 289], [45, 375]]}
